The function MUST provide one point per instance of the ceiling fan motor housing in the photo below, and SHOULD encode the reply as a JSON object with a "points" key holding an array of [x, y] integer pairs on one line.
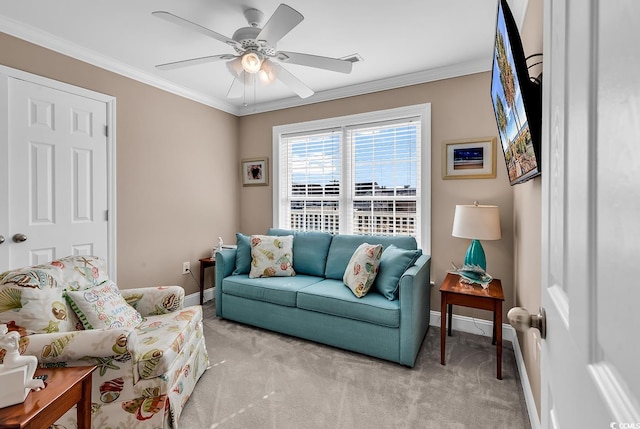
{"points": [[246, 37]]}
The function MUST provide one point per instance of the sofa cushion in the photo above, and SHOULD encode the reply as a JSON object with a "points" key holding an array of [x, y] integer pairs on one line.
{"points": [[36, 311], [161, 338], [362, 269], [343, 246], [103, 307], [331, 297], [81, 271], [243, 254], [310, 249], [393, 263], [276, 290], [271, 256]]}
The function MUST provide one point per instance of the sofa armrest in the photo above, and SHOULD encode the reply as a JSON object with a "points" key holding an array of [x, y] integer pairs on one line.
{"points": [[151, 301], [76, 345], [225, 264], [415, 308]]}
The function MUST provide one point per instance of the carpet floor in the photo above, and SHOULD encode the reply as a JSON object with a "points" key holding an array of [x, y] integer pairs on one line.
{"points": [[261, 379]]}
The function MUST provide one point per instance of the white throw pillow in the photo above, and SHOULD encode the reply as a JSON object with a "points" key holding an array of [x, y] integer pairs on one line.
{"points": [[271, 256], [362, 268], [103, 306], [37, 311]]}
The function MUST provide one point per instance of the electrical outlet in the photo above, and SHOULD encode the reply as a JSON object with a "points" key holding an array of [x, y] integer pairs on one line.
{"points": [[186, 267]]}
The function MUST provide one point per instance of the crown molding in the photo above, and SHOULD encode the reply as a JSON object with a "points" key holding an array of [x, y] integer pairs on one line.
{"points": [[64, 47], [416, 78]]}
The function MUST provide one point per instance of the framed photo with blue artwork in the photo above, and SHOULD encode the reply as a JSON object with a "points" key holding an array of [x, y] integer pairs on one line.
{"points": [[469, 159]]}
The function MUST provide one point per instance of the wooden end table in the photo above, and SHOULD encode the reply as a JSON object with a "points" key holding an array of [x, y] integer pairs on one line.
{"points": [[204, 263], [64, 388], [471, 295]]}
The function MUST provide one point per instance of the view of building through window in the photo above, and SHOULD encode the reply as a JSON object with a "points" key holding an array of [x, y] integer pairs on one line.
{"points": [[358, 179]]}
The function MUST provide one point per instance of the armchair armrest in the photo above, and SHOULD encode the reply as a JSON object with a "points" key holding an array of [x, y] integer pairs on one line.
{"points": [[76, 345], [151, 301]]}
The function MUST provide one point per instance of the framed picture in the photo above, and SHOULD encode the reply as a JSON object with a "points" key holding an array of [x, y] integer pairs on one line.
{"points": [[469, 159], [255, 172]]}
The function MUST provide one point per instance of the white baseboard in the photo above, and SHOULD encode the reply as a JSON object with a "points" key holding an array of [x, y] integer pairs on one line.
{"points": [[194, 298], [485, 328]]}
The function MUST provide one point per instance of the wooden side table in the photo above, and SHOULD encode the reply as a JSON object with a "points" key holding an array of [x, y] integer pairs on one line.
{"points": [[64, 388], [471, 295], [204, 263]]}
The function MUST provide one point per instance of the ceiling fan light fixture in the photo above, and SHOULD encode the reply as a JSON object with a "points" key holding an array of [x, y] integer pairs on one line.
{"points": [[251, 62], [267, 74]]}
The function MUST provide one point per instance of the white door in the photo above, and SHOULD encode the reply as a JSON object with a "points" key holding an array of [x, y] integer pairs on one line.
{"points": [[591, 207], [57, 182]]}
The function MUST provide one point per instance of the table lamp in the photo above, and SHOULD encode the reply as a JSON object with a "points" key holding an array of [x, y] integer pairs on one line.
{"points": [[476, 222]]}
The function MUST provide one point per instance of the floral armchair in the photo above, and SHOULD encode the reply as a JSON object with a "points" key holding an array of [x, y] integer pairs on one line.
{"points": [[148, 349]]}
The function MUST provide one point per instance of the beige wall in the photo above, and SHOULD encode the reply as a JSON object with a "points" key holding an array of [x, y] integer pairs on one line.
{"points": [[527, 224], [176, 169], [461, 108]]}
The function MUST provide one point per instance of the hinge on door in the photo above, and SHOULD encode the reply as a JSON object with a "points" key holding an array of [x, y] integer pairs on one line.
{"points": [[106, 130], [106, 215]]}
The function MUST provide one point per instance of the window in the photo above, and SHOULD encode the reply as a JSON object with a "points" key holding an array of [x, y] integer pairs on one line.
{"points": [[360, 174]]}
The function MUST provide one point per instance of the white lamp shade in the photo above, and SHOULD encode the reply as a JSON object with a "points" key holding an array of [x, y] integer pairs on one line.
{"points": [[477, 222]]}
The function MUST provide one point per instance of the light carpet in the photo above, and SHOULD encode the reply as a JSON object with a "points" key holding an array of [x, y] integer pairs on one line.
{"points": [[261, 379]]}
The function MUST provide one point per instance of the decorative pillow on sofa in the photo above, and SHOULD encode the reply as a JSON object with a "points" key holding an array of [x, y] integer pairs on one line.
{"points": [[271, 256], [363, 268], [393, 263], [103, 306], [243, 254], [36, 311]]}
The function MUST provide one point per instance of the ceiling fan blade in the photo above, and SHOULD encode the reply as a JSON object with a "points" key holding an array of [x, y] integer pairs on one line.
{"points": [[292, 82], [283, 20], [194, 61], [327, 63], [167, 16]]}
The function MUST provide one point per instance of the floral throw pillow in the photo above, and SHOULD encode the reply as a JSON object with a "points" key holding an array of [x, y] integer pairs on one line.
{"points": [[271, 256], [32, 310], [362, 268], [103, 306]]}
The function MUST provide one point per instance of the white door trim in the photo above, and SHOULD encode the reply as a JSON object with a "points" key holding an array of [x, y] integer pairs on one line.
{"points": [[110, 101]]}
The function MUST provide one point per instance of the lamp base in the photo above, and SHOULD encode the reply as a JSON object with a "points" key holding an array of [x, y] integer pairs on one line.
{"points": [[475, 255]]}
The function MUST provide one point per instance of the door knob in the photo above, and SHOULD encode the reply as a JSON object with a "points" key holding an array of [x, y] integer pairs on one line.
{"points": [[19, 238], [521, 320], [1, 239]]}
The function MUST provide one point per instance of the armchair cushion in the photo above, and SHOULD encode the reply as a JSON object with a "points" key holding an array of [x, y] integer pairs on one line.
{"points": [[103, 307]]}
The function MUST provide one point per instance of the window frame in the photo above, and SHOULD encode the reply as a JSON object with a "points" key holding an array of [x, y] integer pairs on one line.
{"points": [[423, 111]]}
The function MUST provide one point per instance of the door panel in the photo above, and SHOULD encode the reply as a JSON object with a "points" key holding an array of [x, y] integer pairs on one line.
{"points": [[590, 203], [57, 174]]}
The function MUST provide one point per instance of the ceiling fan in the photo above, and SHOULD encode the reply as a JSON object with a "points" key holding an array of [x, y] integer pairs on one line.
{"points": [[256, 53]]}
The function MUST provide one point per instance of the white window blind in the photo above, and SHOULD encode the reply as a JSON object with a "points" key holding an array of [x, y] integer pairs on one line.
{"points": [[386, 161], [355, 175]]}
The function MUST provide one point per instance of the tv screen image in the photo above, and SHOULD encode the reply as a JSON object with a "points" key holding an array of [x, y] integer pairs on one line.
{"points": [[515, 101]]}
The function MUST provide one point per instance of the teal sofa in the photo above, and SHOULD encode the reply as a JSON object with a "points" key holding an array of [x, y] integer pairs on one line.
{"points": [[316, 305]]}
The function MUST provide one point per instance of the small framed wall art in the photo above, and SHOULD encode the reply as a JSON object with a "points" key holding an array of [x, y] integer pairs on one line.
{"points": [[469, 159], [255, 172]]}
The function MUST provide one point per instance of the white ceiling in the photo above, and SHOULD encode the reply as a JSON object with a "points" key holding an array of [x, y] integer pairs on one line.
{"points": [[401, 42]]}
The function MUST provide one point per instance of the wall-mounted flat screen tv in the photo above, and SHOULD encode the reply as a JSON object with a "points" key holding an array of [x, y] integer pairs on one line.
{"points": [[517, 101]]}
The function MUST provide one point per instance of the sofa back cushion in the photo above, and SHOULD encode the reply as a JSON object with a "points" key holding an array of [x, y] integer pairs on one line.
{"points": [[343, 246], [310, 250]]}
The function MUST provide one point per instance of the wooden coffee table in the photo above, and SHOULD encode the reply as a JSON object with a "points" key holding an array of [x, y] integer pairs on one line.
{"points": [[64, 388]]}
